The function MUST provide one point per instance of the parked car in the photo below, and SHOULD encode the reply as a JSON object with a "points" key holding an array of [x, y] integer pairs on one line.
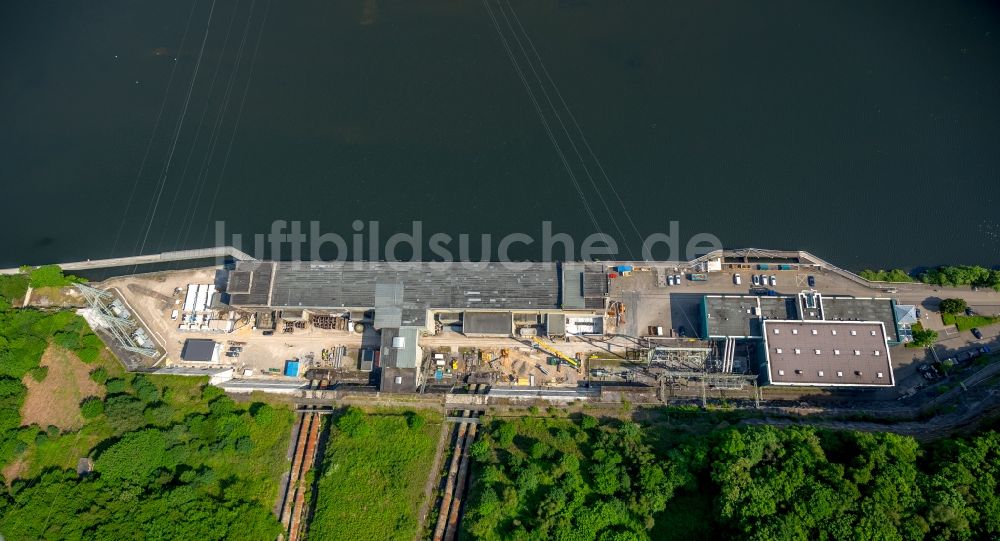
{"points": [[918, 313], [670, 280], [774, 280], [268, 333], [677, 279], [969, 312], [756, 280], [977, 333], [737, 280], [984, 349], [928, 372], [811, 280], [681, 331]]}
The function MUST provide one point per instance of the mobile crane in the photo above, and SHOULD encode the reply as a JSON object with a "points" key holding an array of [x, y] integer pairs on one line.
{"points": [[555, 352]]}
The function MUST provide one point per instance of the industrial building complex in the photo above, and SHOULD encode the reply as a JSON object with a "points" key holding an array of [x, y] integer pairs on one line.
{"points": [[539, 329]]}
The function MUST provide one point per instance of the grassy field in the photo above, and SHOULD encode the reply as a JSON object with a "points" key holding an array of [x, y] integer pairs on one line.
{"points": [[371, 481], [965, 323]]}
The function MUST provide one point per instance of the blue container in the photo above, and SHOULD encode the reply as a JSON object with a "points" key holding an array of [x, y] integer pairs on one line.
{"points": [[438, 375], [624, 268], [292, 369]]}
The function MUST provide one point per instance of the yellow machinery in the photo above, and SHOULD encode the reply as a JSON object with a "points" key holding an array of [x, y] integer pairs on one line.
{"points": [[555, 352]]}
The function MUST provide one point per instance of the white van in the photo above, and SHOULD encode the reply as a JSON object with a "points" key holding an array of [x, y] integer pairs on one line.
{"points": [[737, 280]]}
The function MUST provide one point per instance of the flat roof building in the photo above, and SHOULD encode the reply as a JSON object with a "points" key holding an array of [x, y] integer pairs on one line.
{"points": [[476, 323], [406, 294], [198, 350], [827, 353], [405, 297], [739, 316]]}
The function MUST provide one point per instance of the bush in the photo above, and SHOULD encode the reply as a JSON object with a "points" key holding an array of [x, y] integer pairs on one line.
{"points": [[480, 451], [13, 286], [588, 422], [51, 276], [953, 306], [505, 433], [91, 407], [243, 444], [145, 389], [120, 462], [115, 386], [125, 412], [99, 375], [414, 420], [893, 275], [158, 414], [39, 373], [923, 337]]}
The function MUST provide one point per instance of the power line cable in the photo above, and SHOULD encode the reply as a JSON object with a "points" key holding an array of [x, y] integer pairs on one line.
{"points": [[156, 126]]}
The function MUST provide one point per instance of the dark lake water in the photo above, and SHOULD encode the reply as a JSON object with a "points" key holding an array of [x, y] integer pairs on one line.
{"points": [[867, 132]]}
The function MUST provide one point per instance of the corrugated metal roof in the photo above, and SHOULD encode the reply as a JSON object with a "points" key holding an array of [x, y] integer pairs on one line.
{"points": [[259, 286], [425, 286], [494, 323], [388, 305]]}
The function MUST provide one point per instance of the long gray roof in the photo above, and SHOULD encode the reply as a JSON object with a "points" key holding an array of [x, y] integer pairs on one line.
{"points": [[483, 286]]}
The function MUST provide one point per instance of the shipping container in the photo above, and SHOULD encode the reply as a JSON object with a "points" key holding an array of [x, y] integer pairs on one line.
{"points": [[292, 369], [763, 266], [189, 299], [699, 277]]}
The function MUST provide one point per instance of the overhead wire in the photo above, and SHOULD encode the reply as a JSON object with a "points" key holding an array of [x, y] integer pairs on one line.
{"points": [[152, 136], [201, 123], [544, 120], [555, 113], [177, 132], [239, 116], [572, 117], [206, 165], [195, 200]]}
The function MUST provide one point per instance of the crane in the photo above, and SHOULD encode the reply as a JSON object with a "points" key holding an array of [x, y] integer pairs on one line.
{"points": [[555, 352]]}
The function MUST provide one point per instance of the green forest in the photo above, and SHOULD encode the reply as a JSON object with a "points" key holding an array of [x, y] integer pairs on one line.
{"points": [[556, 478], [172, 457]]}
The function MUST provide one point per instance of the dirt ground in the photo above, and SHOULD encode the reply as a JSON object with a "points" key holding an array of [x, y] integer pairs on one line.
{"points": [[62, 297], [14, 470], [56, 399]]}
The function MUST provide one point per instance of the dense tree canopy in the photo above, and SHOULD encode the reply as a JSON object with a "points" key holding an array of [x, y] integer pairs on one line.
{"points": [[961, 275], [892, 275], [953, 306], [173, 459], [554, 480]]}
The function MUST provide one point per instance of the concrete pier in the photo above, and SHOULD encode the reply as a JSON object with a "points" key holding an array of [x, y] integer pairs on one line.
{"points": [[165, 257]]}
